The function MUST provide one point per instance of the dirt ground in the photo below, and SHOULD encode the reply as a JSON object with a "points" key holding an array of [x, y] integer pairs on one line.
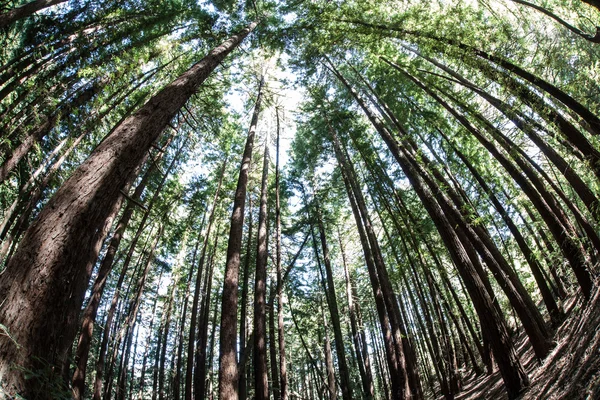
{"points": [[570, 372]]}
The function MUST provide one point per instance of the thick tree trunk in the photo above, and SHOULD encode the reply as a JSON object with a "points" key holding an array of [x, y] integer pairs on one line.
{"points": [[261, 380], [90, 311], [77, 218], [228, 368]]}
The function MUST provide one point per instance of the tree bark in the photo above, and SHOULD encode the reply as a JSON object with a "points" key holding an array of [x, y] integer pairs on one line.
{"points": [[91, 310], [280, 327], [243, 312], [261, 381], [228, 368], [57, 271]]}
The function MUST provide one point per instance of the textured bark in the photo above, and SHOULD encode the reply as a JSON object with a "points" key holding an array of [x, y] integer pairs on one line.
{"points": [[9, 17], [244, 307], [261, 380], [126, 262], [57, 271], [91, 310], [228, 368]]}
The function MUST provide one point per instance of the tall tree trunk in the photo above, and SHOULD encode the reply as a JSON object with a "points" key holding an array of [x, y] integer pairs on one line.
{"points": [[178, 365], [132, 317], [228, 369], [200, 372], [77, 218], [492, 323], [165, 334], [334, 310], [192, 334], [331, 388], [529, 315], [398, 380], [408, 370], [108, 331], [261, 380], [90, 311], [142, 380], [360, 347], [273, 342], [244, 299], [280, 328]]}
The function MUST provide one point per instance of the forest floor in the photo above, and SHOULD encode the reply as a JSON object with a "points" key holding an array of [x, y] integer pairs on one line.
{"points": [[570, 372]]}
